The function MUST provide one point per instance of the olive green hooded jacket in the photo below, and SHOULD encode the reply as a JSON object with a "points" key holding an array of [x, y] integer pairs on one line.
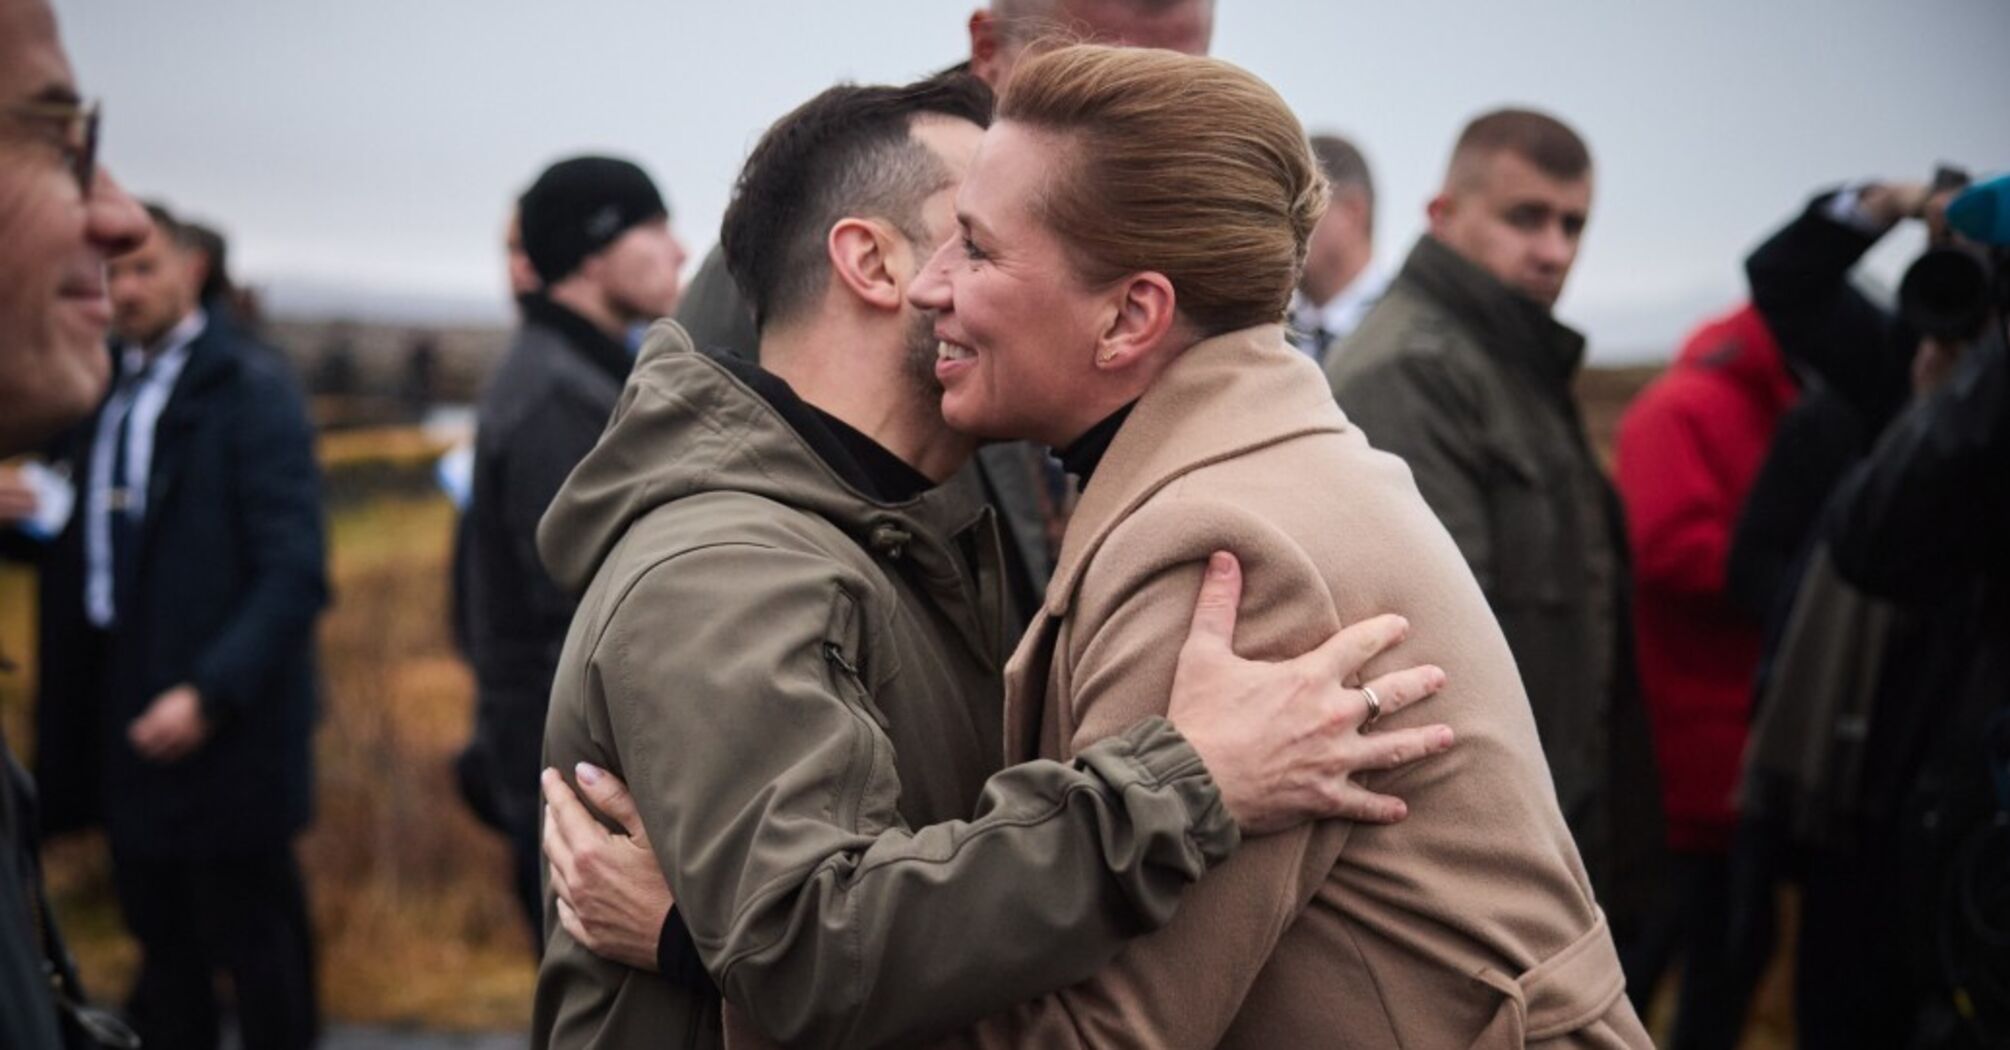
{"points": [[801, 686]]}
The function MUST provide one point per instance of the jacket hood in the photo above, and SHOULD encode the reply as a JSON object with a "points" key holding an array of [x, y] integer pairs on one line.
{"points": [[686, 426], [1738, 348]]}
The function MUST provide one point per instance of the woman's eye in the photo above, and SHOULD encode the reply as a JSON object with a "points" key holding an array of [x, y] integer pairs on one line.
{"points": [[971, 251]]}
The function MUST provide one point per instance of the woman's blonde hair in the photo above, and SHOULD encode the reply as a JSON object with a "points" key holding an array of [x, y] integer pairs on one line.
{"points": [[1187, 166]]}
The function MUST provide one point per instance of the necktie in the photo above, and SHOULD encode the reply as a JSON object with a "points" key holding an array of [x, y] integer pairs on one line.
{"points": [[121, 513], [1312, 340]]}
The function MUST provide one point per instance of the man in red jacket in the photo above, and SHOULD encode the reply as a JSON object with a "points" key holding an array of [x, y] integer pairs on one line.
{"points": [[1689, 448]]}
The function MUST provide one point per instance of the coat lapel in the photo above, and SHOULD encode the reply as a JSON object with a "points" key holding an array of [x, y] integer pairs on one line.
{"points": [[209, 364], [1182, 423], [1223, 397]]}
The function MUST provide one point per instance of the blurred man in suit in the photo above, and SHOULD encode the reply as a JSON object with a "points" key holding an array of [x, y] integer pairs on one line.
{"points": [[1340, 283], [176, 694]]}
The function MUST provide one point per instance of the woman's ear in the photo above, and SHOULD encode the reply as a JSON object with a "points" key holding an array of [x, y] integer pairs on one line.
{"points": [[860, 254], [1145, 311]]}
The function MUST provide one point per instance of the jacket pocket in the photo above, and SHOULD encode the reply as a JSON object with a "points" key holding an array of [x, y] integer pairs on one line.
{"points": [[865, 789], [842, 650], [1531, 525]]}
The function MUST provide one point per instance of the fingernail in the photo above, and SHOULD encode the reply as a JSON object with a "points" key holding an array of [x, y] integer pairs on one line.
{"points": [[1219, 565], [588, 773], [1445, 737]]}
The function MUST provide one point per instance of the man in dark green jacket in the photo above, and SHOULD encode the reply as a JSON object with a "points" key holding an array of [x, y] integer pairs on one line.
{"points": [[1463, 371], [1017, 478], [790, 642]]}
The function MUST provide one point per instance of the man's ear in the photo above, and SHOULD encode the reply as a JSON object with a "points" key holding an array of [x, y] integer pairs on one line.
{"points": [[1354, 204], [1143, 310], [985, 43], [861, 252], [1439, 212]]}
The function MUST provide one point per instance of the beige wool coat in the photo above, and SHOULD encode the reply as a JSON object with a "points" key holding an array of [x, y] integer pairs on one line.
{"points": [[1471, 923]]}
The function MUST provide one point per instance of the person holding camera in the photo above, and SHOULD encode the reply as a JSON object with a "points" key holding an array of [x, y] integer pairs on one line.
{"points": [[1893, 951]]}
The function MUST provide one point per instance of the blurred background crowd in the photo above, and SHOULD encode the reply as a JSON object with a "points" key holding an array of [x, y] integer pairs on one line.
{"points": [[1745, 269]]}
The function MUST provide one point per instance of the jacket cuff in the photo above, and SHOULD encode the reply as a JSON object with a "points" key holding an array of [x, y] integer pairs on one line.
{"points": [[1165, 760], [219, 708], [677, 957], [1838, 235]]}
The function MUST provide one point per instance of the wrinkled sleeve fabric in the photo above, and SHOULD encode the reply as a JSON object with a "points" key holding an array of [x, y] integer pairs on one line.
{"points": [[1158, 993], [1799, 280], [280, 490], [1931, 505], [769, 791], [1420, 408]]}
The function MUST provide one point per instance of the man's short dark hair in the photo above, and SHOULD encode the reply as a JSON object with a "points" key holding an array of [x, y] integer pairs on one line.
{"points": [[1540, 139], [846, 152], [1344, 166], [164, 221], [210, 242]]}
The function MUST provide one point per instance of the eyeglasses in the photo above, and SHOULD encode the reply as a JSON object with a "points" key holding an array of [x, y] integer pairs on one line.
{"points": [[77, 122]]}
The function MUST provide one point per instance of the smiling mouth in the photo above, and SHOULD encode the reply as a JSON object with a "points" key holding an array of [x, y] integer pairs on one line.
{"points": [[948, 351]]}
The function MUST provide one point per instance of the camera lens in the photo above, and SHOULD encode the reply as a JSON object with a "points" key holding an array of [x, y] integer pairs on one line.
{"points": [[1945, 293]]}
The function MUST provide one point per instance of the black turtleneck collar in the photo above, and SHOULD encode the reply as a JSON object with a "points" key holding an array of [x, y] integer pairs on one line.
{"points": [[863, 463], [1082, 455], [606, 353]]}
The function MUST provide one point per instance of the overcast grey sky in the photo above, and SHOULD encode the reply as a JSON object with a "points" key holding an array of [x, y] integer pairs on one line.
{"points": [[362, 154]]}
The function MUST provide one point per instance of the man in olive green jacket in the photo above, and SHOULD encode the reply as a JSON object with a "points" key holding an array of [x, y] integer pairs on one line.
{"points": [[1019, 480], [1463, 372], [789, 644]]}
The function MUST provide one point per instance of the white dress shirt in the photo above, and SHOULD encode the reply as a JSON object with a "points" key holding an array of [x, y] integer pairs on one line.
{"points": [[157, 370], [1341, 314]]}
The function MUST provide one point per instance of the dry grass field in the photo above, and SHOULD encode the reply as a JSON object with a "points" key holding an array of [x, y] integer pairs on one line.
{"points": [[410, 896]]}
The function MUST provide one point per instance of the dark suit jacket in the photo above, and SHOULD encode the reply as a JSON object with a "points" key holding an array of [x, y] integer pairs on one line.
{"points": [[229, 578]]}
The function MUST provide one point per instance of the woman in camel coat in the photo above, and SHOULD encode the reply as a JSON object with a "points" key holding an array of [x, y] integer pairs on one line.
{"points": [[1131, 231]]}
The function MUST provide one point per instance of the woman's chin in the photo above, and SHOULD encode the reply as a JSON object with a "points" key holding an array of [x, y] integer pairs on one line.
{"points": [[965, 414], [958, 412]]}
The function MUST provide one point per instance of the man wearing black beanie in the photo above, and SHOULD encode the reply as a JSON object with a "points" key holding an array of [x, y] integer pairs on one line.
{"points": [[598, 234]]}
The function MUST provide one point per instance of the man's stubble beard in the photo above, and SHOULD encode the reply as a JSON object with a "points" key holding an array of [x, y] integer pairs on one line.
{"points": [[918, 362]]}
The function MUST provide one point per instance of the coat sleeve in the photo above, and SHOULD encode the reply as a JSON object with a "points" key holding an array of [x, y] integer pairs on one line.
{"points": [[279, 492], [1931, 506], [1679, 510], [1800, 283], [1183, 986], [1417, 407], [769, 789], [516, 616]]}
